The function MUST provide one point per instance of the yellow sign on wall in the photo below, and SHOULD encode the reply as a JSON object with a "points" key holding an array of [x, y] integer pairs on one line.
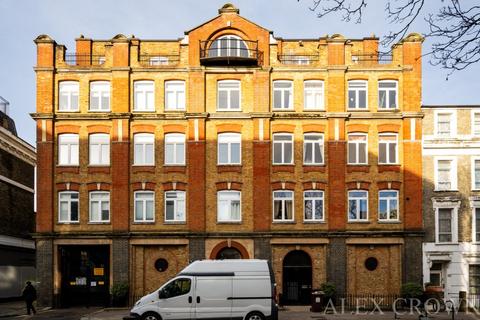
{"points": [[98, 272]]}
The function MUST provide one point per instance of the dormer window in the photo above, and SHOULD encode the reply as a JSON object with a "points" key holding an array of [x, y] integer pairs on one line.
{"points": [[228, 46]]}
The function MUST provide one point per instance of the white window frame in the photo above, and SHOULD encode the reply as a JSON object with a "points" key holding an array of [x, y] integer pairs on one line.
{"points": [[475, 205], [102, 90], [69, 207], [357, 199], [388, 142], [283, 199], [453, 123], [322, 148], [101, 140], [232, 51], [175, 139], [138, 136], [472, 166], [100, 202], [314, 92], [314, 199], [388, 199], [229, 198], [229, 139], [144, 206], [292, 141], [283, 90], [158, 61], [357, 95], [180, 196], [70, 88], [453, 173], [473, 113], [454, 206], [387, 94], [177, 88], [229, 95], [136, 89], [71, 145], [357, 148]]}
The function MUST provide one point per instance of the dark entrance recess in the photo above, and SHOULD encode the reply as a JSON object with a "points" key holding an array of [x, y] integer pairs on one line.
{"points": [[85, 275], [229, 253], [297, 278]]}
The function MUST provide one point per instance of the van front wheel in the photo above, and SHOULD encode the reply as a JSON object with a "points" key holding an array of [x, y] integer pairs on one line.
{"points": [[254, 316], [151, 316]]}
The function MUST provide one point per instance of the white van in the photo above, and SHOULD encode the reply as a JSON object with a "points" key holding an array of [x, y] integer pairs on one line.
{"points": [[213, 289]]}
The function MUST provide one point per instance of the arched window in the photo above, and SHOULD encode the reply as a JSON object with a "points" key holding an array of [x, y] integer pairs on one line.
{"points": [[228, 253], [228, 46]]}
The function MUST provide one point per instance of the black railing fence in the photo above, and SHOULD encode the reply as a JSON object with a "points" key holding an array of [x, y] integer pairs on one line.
{"points": [[77, 59], [298, 59], [158, 60], [376, 57]]}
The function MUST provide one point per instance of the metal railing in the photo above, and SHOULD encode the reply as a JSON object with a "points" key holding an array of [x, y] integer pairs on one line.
{"points": [[77, 59], [298, 59], [372, 58], [473, 300], [240, 50], [366, 301], [158, 60]]}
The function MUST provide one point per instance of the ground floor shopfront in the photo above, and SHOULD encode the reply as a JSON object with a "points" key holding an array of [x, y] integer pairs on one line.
{"points": [[80, 271]]}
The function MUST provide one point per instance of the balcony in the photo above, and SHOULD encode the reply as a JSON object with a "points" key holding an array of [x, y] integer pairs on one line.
{"points": [[84, 60], [230, 51], [375, 58], [158, 60], [298, 59]]}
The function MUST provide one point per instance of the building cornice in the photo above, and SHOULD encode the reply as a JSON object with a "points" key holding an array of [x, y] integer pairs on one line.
{"points": [[17, 147]]}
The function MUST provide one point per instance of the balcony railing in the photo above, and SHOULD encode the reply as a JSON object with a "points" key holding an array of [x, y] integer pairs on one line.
{"points": [[77, 59], [158, 60], [372, 58], [298, 59], [243, 52]]}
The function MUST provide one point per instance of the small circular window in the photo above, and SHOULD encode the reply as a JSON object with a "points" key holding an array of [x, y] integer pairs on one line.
{"points": [[161, 265], [371, 263]]}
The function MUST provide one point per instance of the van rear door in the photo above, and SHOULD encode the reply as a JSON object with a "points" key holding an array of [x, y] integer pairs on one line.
{"points": [[212, 295]]}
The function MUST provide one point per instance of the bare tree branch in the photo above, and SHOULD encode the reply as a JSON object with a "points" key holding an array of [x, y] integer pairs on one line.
{"points": [[455, 28]]}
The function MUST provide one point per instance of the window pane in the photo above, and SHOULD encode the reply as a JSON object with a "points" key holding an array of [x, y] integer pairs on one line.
{"points": [[352, 209], [149, 154], [382, 95], [63, 211], [382, 209], [308, 156], [288, 152], [318, 153], [169, 158], [362, 99], [149, 213], [138, 210], [319, 209], [363, 209], [235, 100], [362, 153], [352, 157], [235, 148], [392, 150], [277, 153], [351, 99], [288, 209], [286, 99], [393, 209], [222, 99], [223, 153], [308, 209], [277, 209], [392, 97], [277, 99], [169, 210], [382, 153], [235, 210]]}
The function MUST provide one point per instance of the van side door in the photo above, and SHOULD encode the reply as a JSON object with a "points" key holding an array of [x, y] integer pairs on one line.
{"points": [[213, 297], [176, 299]]}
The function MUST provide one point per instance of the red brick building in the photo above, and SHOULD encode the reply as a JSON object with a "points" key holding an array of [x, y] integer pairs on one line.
{"points": [[229, 142]]}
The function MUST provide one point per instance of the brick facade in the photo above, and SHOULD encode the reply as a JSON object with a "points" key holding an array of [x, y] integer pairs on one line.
{"points": [[334, 60]]}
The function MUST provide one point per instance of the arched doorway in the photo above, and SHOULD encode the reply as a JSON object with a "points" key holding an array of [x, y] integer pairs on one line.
{"points": [[229, 250], [228, 253], [297, 278]]}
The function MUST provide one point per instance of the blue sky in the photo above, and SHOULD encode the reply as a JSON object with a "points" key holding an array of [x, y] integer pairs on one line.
{"points": [[22, 21]]}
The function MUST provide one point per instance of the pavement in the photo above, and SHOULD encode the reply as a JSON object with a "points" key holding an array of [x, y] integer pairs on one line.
{"points": [[16, 310]]}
